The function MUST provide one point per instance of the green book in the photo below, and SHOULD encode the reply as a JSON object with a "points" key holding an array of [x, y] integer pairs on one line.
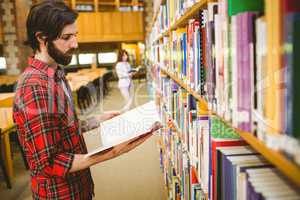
{"points": [[220, 130], [296, 74], [239, 6]]}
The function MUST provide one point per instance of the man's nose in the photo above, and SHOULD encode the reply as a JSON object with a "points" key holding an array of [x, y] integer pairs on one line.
{"points": [[74, 43]]}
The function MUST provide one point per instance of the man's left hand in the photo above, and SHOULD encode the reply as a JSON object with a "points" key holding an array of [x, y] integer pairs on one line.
{"points": [[94, 122], [107, 115]]}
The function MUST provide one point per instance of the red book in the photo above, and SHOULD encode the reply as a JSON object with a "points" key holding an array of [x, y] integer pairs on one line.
{"points": [[291, 6], [194, 178], [220, 143]]}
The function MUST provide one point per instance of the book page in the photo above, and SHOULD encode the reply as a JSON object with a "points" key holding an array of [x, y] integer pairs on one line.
{"points": [[127, 126]]}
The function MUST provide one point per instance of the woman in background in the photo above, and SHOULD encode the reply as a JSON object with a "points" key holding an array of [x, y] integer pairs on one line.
{"points": [[125, 74]]}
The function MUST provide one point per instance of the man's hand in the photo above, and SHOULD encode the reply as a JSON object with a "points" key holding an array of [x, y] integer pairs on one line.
{"points": [[94, 122], [107, 115], [156, 126], [128, 146], [115, 151]]}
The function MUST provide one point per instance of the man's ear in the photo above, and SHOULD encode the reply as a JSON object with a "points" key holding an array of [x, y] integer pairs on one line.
{"points": [[40, 37]]}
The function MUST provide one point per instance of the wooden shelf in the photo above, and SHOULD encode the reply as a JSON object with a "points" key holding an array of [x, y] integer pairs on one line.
{"points": [[287, 167], [183, 20], [155, 14], [160, 36], [187, 88], [190, 13]]}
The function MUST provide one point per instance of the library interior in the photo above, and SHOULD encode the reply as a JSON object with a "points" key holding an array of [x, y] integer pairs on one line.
{"points": [[148, 100]]}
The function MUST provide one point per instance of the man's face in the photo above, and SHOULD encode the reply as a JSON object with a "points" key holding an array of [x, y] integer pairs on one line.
{"points": [[62, 49]]}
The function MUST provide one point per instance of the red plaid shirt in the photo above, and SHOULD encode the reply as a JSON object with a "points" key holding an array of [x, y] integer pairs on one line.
{"points": [[48, 130]]}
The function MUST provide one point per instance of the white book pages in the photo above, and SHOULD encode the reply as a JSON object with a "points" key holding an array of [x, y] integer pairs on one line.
{"points": [[127, 126], [234, 150]]}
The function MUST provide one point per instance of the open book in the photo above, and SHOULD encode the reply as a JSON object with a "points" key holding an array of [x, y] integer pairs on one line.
{"points": [[135, 69], [127, 126]]}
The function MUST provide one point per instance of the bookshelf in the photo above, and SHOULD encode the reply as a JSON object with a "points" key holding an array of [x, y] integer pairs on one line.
{"points": [[183, 20], [156, 5], [289, 168], [187, 88]]}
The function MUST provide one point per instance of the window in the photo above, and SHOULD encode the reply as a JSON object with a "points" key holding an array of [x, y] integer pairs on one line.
{"points": [[107, 58], [84, 8], [86, 58], [2, 63]]}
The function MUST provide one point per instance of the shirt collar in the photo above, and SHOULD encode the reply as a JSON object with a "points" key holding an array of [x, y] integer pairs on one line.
{"points": [[50, 70]]}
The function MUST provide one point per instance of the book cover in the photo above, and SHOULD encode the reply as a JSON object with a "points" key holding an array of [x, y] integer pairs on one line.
{"points": [[230, 176], [291, 72], [274, 92], [223, 151], [215, 143], [239, 6]]}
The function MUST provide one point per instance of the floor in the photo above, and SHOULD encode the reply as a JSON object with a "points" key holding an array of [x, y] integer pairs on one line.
{"points": [[132, 176]]}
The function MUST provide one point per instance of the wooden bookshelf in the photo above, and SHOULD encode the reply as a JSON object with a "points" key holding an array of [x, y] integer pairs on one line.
{"points": [[164, 34], [184, 19], [191, 12], [155, 14], [187, 88], [287, 167]]}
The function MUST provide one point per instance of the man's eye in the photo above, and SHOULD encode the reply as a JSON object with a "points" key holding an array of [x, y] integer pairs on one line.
{"points": [[66, 37]]}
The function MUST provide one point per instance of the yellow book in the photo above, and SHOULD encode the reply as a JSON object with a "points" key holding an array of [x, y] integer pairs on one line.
{"points": [[274, 89], [171, 11]]}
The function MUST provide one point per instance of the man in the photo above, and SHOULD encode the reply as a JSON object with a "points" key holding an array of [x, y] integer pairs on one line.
{"points": [[48, 127]]}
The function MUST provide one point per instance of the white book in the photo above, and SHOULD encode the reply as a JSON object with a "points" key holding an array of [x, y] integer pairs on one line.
{"points": [[127, 126], [274, 189], [235, 150], [294, 197], [234, 70], [241, 181]]}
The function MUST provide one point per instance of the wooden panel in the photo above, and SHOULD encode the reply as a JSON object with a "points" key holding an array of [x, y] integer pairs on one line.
{"points": [[1, 33], [99, 24], [96, 5], [117, 24], [107, 23], [128, 25], [140, 22], [110, 27]]}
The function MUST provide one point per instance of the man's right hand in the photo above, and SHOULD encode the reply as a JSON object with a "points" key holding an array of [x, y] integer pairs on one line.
{"points": [[128, 146], [132, 144], [124, 147]]}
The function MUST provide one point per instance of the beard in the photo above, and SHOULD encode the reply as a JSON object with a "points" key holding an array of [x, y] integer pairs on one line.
{"points": [[58, 56]]}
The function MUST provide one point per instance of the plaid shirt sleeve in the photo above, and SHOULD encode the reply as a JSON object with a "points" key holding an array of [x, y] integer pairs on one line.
{"points": [[42, 132]]}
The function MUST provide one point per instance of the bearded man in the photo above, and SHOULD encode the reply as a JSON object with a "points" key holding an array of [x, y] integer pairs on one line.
{"points": [[48, 128]]}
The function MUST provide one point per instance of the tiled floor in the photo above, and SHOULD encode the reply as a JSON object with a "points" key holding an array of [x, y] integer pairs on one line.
{"points": [[133, 176]]}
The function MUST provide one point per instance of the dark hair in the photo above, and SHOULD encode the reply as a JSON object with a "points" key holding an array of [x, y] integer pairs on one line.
{"points": [[121, 53], [48, 17]]}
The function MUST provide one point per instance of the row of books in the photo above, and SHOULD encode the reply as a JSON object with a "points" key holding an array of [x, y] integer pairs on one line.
{"points": [[169, 13], [228, 55], [202, 157]]}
